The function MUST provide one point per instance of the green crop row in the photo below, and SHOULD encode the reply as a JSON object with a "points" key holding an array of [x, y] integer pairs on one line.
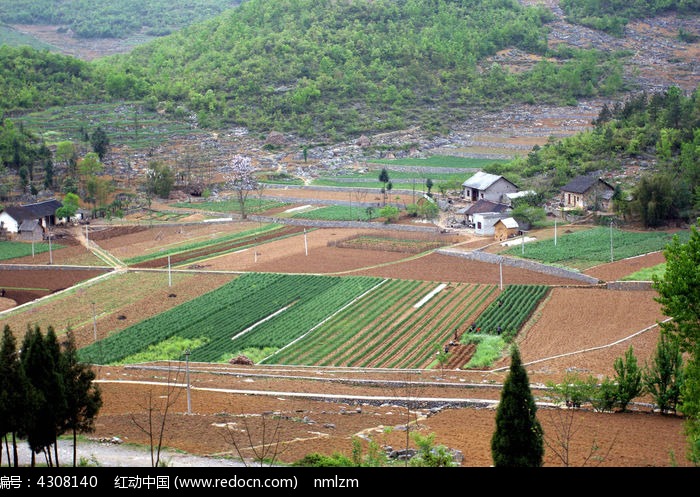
{"points": [[13, 250], [336, 213], [510, 311], [253, 310], [587, 248], [383, 332]]}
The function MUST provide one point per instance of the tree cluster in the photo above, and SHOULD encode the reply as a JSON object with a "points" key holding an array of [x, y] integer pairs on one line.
{"points": [[613, 15], [45, 392], [661, 128], [115, 19]]}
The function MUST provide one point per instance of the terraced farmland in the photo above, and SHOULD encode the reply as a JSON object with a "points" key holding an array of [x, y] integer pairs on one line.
{"points": [[399, 325]]}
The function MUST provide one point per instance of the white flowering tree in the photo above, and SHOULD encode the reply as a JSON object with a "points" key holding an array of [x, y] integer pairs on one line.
{"points": [[241, 179]]}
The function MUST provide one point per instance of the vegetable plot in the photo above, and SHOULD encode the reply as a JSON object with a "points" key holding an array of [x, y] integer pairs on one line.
{"points": [[386, 329], [512, 308], [217, 317]]}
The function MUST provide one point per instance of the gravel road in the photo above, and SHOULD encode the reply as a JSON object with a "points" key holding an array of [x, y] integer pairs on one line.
{"points": [[108, 454]]}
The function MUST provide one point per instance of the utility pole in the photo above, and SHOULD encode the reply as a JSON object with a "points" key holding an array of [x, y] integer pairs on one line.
{"points": [[611, 242], [94, 322], [500, 272], [187, 376], [50, 252]]}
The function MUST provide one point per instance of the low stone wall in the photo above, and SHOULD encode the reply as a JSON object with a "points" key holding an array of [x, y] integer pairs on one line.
{"points": [[629, 285], [478, 255], [315, 223]]}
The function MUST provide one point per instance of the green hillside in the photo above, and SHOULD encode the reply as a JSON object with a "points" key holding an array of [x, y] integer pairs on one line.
{"points": [[327, 70]]}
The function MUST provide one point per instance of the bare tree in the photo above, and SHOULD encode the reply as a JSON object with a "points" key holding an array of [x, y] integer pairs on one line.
{"points": [[359, 194], [265, 447], [155, 424], [562, 431], [241, 179], [407, 389]]}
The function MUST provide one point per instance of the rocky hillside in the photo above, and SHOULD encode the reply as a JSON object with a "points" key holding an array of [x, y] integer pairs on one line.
{"points": [[659, 59]]}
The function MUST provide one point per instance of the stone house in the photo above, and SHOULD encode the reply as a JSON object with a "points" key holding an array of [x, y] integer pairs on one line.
{"points": [[587, 192], [43, 213], [485, 186]]}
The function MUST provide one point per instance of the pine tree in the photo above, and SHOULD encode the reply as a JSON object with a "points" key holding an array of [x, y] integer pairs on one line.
{"points": [[83, 398], [518, 440], [663, 379], [628, 379], [12, 394], [45, 397]]}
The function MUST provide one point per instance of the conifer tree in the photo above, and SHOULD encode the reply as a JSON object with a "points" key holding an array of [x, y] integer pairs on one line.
{"points": [[518, 440], [45, 397], [83, 398], [12, 395]]}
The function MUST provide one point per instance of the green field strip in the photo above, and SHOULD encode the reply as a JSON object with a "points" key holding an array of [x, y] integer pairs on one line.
{"points": [[315, 306], [342, 327], [362, 336], [299, 346], [205, 244], [237, 248], [299, 289], [425, 359], [386, 334], [591, 247], [188, 319], [310, 343], [518, 302], [444, 302], [439, 330]]}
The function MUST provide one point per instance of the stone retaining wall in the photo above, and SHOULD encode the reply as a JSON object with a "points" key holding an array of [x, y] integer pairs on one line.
{"points": [[315, 223], [478, 255], [629, 285]]}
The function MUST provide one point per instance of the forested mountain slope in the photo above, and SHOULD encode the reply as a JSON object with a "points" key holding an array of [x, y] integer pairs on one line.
{"points": [[87, 19]]}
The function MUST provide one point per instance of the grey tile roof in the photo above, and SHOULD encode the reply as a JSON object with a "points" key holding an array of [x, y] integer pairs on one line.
{"points": [[483, 205], [481, 180], [33, 211], [581, 184]]}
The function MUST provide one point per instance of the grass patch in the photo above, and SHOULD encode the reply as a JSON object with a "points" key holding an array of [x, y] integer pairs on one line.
{"points": [[337, 213], [588, 248], [489, 348], [252, 205], [14, 250], [647, 273], [171, 349]]}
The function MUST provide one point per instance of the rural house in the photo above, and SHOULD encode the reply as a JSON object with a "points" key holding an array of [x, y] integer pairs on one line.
{"points": [[505, 228], [30, 219], [587, 193], [487, 187], [483, 214]]}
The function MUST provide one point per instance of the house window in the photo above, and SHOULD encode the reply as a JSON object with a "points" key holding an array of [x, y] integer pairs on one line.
{"points": [[478, 225]]}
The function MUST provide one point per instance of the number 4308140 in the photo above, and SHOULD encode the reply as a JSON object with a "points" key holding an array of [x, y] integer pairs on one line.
{"points": [[67, 481]]}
